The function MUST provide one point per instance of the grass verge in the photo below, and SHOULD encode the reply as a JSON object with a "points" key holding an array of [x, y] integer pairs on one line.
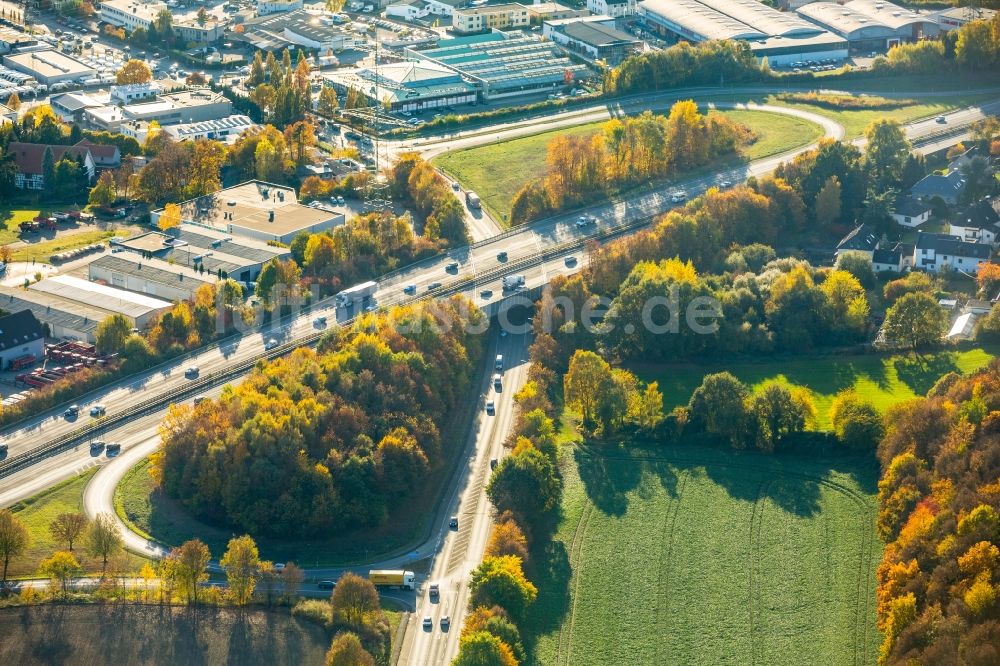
{"points": [[497, 171], [38, 511], [692, 555], [43, 250], [884, 380]]}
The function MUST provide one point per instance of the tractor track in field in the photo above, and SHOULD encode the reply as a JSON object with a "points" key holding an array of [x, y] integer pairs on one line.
{"points": [[575, 556], [863, 602], [663, 595]]}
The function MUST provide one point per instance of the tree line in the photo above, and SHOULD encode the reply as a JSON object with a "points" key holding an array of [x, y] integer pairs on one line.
{"points": [[325, 440], [626, 152], [939, 514]]}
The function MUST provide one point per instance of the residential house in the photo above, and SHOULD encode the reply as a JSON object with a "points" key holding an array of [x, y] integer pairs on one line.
{"points": [[949, 188], [105, 156], [979, 223], [411, 10], [937, 252], [862, 239], [887, 261], [613, 8], [28, 158], [910, 212], [20, 335]]}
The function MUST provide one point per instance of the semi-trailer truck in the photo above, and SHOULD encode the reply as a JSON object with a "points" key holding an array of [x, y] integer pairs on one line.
{"points": [[392, 578], [357, 293]]}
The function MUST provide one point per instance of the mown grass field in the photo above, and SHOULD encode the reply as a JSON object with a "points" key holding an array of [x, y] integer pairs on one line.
{"points": [[698, 556], [884, 380], [38, 511], [497, 171], [43, 250]]}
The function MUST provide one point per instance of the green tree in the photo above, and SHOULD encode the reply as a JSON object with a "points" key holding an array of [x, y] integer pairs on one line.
{"points": [[525, 484], [777, 413], [500, 581], [828, 203], [885, 154], [256, 71], [587, 374], [103, 539], [346, 650], [718, 407], [915, 320], [482, 648], [857, 424], [103, 193], [67, 527], [241, 564], [60, 568], [111, 334], [859, 265], [192, 559], [49, 171], [14, 539], [328, 102], [354, 598]]}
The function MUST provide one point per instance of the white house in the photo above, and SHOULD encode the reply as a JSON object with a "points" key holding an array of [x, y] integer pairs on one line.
{"points": [[29, 158], [910, 212], [980, 223], [265, 7], [410, 10], [937, 252], [613, 8]]}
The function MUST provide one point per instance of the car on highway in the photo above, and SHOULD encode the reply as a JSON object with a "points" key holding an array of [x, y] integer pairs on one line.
{"points": [[435, 590], [941, 119], [428, 623], [584, 221], [501, 256], [571, 261], [410, 289], [98, 410], [113, 448], [455, 186], [3, 449], [445, 622], [270, 344], [453, 523], [96, 446], [326, 584], [191, 372], [433, 285], [279, 566], [498, 381], [319, 321], [200, 399], [452, 267], [486, 294], [493, 463], [491, 407], [72, 411], [678, 197], [725, 184]]}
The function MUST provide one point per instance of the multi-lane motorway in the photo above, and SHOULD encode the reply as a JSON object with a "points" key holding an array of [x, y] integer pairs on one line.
{"points": [[539, 251]]}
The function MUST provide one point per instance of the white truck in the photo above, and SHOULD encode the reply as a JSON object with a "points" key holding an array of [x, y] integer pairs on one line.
{"points": [[472, 200], [359, 293], [512, 282]]}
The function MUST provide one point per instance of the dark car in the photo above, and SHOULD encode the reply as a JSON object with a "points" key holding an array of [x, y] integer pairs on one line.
{"points": [[325, 584], [453, 523]]}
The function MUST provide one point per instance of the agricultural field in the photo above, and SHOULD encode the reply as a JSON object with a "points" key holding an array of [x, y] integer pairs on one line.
{"points": [[883, 380], [488, 169], [38, 511], [698, 556], [139, 634]]}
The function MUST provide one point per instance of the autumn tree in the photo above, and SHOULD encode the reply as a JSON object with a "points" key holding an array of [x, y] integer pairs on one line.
{"points": [[483, 649], [346, 650], [111, 335], [61, 567], [104, 191], [525, 483], [291, 579], [915, 320], [134, 71], [885, 154], [67, 527], [353, 599], [827, 208], [857, 424], [13, 102], [718, 408], [192, 559], [500, 581], [240, 562], [506, 538], [583, 382], [204, 172], [103, 538], [14, 539], [170, 217], [777, 413], [328, 102]]}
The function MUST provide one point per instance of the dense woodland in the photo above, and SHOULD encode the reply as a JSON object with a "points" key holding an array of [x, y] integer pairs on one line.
{"points": [[331, 439], [939, 501]]}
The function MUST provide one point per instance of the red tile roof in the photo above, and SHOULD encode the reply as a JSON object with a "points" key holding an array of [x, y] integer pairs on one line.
{"points": [[101, 153], [28, 156]]}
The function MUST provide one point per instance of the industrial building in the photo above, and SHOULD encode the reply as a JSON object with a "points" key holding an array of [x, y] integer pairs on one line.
{"points": [[504, 65], [21, 335], [955, 17], [188, 106], [411, 85], [139, 308], [781, 37], [132, 14], [150, 277], [185, 245], [49, 67], [64, 318], [257, 210], [871, 25], [296, 29], [592, 38]]}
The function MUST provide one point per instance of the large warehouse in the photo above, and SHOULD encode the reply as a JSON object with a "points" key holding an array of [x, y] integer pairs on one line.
{"points": [[871, 25], [152, 277], [139, 308], [411, 85], [781, 37]]}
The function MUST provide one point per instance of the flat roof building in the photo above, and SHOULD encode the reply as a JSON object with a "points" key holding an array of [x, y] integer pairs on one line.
{"points": [[411, 85], [139, 308], [870, 24], [257, 210], [150, 277], [505, 65], [295, 29], [593, 38], [187, 106], [49, 66], [956, 17]]}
